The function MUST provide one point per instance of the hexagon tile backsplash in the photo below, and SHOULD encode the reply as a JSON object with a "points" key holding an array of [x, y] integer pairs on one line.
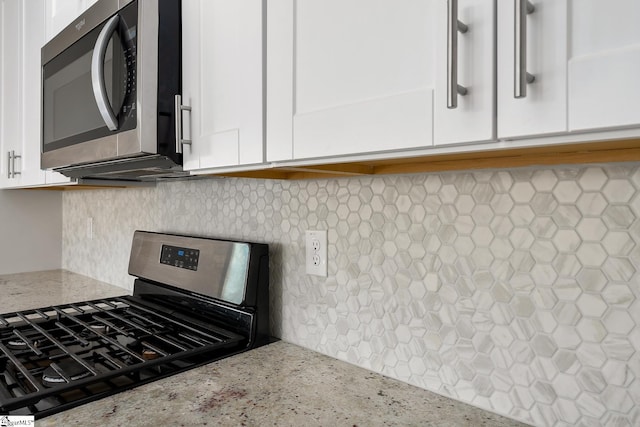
{"points": [[514, 290]]}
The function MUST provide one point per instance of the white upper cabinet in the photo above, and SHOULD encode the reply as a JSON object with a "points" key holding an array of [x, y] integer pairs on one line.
{"points": [[60, 13], [349, 76], [532, 42], [222, 82], [604, 64], [21, 36]]}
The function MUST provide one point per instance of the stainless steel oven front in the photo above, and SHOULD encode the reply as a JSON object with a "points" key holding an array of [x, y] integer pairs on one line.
{"points": [[108, 84]]}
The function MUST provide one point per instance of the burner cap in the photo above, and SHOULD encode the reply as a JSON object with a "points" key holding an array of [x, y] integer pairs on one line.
{"points": [[17, 344], [72, 369]]}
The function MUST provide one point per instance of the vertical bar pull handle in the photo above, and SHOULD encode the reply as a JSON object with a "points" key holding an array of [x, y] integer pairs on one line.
{"points": [[9, 161], [453, 27], [522, 78], [179, 108], [13, 164]]}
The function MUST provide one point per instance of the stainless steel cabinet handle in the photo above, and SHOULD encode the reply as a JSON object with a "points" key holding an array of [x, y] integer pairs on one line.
{"points": [[453, 26], [522, 78], [97, 73], [11, 164], [179, 108]]}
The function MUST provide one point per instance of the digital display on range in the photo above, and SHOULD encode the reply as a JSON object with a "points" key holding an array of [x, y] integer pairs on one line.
{"points": [[180, 257]]}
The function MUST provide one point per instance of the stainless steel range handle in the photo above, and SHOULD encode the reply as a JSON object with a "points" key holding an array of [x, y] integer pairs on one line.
{"points": [[453, 27], [522, 78], [178, 109], [97, 73]]}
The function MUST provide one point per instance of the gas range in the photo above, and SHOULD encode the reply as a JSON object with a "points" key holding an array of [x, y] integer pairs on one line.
{"points": [[195, 300]]}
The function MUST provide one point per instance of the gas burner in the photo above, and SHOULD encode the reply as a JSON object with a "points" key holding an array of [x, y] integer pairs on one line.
{"points": [[17, 344], [148, 354], [73, 370], [102, 329]]}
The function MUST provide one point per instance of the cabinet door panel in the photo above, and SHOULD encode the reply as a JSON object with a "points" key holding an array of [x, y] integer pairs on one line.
{"points": [[60, 13], [222, 82], [11, 85], [33, 36], [349, 65], [474, 118], [604, 64], [544, 109]]}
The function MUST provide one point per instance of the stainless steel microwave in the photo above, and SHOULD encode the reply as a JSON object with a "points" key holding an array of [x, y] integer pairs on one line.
{"points": [[110, 81]]}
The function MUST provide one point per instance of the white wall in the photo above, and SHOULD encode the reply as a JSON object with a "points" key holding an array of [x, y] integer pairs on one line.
{"points": [[30, 230]]}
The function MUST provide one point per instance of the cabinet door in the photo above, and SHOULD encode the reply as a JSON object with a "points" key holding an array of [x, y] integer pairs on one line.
{"points": [[60, 13], [473, 118], [10, 86], [604, 64], [349, 76], [544, 45], [222, 67], [33, 33]]}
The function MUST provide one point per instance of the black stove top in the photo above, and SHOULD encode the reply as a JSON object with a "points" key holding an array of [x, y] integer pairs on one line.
{"points": [[58, 357]]}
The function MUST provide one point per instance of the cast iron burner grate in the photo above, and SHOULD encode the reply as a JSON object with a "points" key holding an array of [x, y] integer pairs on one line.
{"points": [[58, 357]]}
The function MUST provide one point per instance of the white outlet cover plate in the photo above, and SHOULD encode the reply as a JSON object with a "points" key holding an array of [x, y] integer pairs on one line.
{"points": [[316, 252]]}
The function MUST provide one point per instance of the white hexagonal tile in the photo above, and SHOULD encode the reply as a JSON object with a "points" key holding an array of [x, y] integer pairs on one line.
{"points": [[618, 217], [567, 313], [543, 345], [566, 361], [566, 240], [543, 227], [544, 180], [566, 216], [543, 251], [566, 337], [591, 254], [591, 354], [591, 330], [618, 373], [591, 305], [566, 386], [617, 399], [592, 179], [618, 322], [567, 410], [590, 405], [543, 274], [618, 191], [543, 203], [591, 204], [592, 229], [521, 238], [591, 380], [567, 191], [522, 306], [618, 269], [592, 279], [522, 192], [618, 243]]}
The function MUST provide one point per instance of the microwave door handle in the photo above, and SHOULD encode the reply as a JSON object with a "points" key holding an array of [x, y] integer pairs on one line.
{"points": [[97, 73]]}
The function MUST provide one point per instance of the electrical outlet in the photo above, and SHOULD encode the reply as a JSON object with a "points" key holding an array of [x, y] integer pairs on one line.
{"points": [[316, 252]]}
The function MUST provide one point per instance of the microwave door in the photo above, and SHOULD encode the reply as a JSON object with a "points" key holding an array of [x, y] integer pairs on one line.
{"points": [[98, 75], [89, 91]]}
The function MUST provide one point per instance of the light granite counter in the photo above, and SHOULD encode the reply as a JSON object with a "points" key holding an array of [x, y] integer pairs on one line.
{"points": [[279, 384]]}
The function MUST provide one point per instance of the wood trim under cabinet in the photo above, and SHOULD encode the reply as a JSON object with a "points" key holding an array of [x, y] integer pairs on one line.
{"points": [[583, 153]]}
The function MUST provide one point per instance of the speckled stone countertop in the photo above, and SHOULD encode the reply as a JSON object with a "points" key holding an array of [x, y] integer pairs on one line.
{"points": [[279, 384]]}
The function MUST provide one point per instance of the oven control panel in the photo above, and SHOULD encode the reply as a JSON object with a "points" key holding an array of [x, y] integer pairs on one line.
{"points": [[180, 257]]}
